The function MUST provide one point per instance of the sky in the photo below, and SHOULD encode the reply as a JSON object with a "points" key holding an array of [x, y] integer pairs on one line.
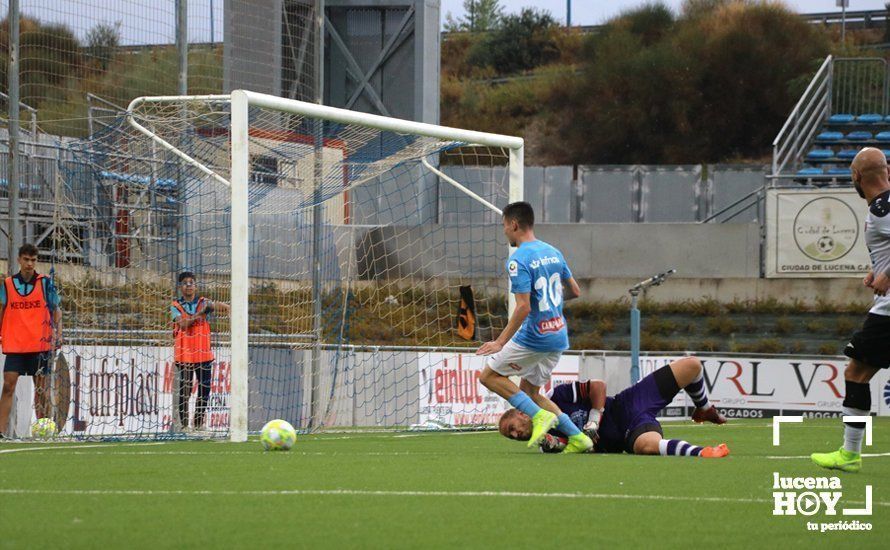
{"points": [[594, 12], [152, 21]]}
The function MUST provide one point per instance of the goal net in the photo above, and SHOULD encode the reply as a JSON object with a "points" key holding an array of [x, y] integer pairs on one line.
{"points": [[347, 245]]}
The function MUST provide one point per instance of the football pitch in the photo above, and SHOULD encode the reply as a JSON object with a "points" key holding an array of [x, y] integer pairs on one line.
{"points": [[418, 490]]}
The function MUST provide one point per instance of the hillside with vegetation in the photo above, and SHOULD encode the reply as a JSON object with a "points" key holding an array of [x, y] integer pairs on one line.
{"points": [[57, 71], [711, 83]]}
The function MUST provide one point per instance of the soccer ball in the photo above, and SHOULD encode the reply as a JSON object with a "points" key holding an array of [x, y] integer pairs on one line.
{"points": [[825, 244], [278, 435], [43, 428]]}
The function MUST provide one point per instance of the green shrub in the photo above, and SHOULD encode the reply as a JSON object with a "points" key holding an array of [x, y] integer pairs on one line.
{"points": [[844, 326], [720, 325], [519, 43], [829, 349], [783, 326]]}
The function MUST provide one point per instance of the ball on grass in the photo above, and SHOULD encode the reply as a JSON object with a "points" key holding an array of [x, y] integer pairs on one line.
{"points": [[278, 435], [43, 428]]}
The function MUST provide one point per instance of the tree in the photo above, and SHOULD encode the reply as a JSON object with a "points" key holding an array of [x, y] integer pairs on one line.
{"points": [[479, 16], [522, 42], [713, 85], [102, 43], [49, 55]]}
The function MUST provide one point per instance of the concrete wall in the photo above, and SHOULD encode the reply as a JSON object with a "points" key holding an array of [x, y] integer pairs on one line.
{"points": [[641, 250], [593, 250]]}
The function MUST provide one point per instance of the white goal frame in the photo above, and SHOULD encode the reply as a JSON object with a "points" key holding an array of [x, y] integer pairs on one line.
{"points": [[241, 101]]}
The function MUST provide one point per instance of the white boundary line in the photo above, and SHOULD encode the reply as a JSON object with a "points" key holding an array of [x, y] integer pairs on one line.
{"points": [[777, 425], [778, 420], [865, 455], [369, 493], [74, 447]]}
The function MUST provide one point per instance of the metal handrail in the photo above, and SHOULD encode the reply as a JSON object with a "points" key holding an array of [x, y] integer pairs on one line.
{"points": [[726, 209], [31, 111], [808, 107]]}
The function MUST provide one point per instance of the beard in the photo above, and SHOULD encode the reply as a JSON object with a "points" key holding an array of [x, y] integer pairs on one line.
{"points": [[858, 189]]}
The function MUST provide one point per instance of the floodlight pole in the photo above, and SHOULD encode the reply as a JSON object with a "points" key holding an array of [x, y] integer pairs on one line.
{"points": [[182, 46], [843, 5], [14, 231], [635, 290]]}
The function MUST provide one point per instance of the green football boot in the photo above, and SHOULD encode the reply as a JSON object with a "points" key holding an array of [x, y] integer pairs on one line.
{"points": [[840, 459], [578, 443], [542, 422]]}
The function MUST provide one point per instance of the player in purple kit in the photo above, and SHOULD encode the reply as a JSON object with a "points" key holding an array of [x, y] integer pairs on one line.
{"points": [[626, 422], [535, 336]]}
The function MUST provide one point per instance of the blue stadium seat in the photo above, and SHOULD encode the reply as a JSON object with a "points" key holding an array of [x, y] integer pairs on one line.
{"points": [[825, 137], [847, 154], [809, 172], [838, 172], [23, 187], [883, 136], [859, 136], [886, 152], [820, 154], [870, 118], [841, 119]]}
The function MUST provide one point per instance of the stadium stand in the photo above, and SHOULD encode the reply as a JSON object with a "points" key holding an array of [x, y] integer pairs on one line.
{"points": [[836, 117]]}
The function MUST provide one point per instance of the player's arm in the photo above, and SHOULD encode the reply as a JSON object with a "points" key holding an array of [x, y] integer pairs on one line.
{"points": [[596, 392], [523, 308], [880, 282], [57, 327], [220, 307], [2, 308], [54, 303], [183, 320], [570, 289]]}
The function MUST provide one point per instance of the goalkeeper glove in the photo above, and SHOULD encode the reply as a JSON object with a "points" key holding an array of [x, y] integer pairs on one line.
{"points": [[593, 421], [553, 444]]}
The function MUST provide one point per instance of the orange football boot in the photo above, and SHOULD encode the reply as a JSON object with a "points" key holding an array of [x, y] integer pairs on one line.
{"points": [[719, 451]]}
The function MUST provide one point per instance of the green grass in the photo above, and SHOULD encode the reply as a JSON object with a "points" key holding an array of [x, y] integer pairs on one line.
{"points": [[406, 490]]}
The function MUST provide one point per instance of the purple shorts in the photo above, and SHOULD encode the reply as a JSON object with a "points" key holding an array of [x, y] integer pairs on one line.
{"points": [[633, 411]]}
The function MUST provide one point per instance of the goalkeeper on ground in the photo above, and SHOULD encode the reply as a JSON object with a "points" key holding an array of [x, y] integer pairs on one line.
{"points": [[626, 422]]}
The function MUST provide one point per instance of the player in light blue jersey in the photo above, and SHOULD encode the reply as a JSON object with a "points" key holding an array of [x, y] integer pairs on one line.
{"points": [[535, 336]]}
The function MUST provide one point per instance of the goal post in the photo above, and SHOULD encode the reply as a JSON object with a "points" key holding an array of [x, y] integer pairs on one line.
{"points": [[240, 258], [266, 143]]}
